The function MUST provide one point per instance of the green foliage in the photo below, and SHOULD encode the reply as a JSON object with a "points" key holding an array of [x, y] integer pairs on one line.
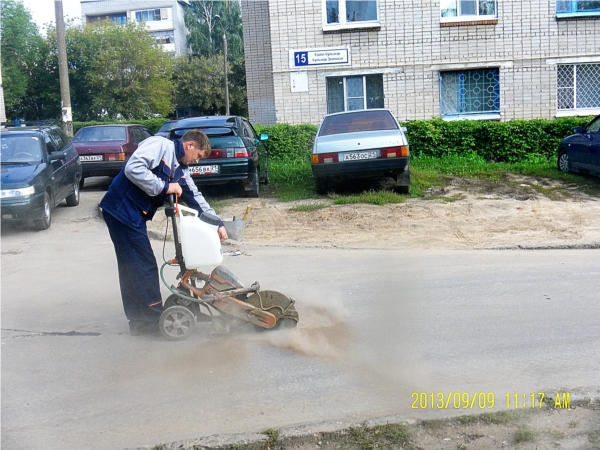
{"points": [[116, 71], [289, 142], [22, 48], [206, 41], [199, 83], [206, 32], [510, 141]]}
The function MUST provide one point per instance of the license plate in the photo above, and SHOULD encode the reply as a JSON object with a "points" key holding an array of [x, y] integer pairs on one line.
{"points": [[357, 156], [91, 158], [204, 170]]}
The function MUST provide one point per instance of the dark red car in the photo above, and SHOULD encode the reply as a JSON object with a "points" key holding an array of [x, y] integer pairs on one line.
{"points": [[104, 149]]}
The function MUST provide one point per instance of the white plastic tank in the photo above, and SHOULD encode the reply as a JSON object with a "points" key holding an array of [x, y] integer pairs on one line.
{"points": [[200, 243]]}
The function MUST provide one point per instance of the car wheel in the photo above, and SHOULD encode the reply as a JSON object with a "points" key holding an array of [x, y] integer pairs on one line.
{"points": [[73, 199], [402, 189], [322, 185], [563, 162], [45, 220], [255, 189]]}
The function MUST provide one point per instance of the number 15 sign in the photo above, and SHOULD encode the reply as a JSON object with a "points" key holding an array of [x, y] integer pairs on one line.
{"points": [[320, 57]]}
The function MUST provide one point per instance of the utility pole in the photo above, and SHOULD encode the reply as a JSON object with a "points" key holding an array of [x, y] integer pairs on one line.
{"points": [[226, 82], [63, 70], [218, 19]]}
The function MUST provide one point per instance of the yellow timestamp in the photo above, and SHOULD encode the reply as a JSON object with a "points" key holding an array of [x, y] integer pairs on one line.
{"points": [[487, 400], [562, 400], [453, 400]]}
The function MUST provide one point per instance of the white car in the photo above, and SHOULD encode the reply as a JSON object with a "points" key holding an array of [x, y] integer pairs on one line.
{"points": [[366, 143]]}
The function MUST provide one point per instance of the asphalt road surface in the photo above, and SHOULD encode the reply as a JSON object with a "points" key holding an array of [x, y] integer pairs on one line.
{"points": [[376, 326]]}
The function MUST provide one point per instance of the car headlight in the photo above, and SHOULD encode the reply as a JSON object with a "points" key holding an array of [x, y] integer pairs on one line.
{"points": [[22, 192]]}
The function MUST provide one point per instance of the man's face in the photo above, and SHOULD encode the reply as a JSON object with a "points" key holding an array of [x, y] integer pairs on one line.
{"points": [[192, 154]]}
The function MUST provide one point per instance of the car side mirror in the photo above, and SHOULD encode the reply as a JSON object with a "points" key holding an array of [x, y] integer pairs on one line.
{"points": [[264, 137], [57, 156], [404, 130], [578, 130]]}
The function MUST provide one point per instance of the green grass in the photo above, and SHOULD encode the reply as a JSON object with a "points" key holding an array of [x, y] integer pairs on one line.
{"points": [[293, 180], [309, 207], [523, 434]]}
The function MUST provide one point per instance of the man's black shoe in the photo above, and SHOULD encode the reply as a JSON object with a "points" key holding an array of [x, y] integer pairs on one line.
{"points": [[139, 329]]}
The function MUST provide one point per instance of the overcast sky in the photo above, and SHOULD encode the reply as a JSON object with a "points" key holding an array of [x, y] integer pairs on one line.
{"points": [[42, 11]]}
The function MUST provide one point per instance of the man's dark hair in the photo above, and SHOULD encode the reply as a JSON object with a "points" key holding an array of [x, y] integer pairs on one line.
{"points": [[199, 139]]}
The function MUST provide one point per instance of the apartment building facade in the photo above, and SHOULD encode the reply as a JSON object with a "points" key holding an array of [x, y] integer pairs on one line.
{"points": [[163, 18], [455, 59]]}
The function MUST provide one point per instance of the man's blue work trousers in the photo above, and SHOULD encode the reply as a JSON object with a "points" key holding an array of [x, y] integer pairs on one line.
{"points": [[138, 272]]}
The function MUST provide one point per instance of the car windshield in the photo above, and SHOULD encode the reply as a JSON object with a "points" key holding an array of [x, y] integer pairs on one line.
{"points": [[219, 137], [166, 126], [358, 122], [22, 148], [94, 134]]}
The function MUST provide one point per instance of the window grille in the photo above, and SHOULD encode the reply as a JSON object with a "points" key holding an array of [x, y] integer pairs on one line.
{"points": [[470, 92], [578, 86]]}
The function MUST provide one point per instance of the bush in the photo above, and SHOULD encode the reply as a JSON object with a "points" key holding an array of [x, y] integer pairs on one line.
{"points": [[511, 141], [288, 142]]}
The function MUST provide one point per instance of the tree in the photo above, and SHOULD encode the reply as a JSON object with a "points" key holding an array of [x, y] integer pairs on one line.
{"points": [[22, 46], [116, 71], [206, 42]]}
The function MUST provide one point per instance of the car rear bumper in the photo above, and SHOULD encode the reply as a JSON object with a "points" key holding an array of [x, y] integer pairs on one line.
{"points": [[239, 170], [102, 168], [22, 208], [362, 169]]}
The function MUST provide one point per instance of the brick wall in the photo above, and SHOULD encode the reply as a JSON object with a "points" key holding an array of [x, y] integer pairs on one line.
{"points": [[410, 49]]}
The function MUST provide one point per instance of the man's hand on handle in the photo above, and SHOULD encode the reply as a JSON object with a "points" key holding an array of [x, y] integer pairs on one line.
{"points": [[174, 188]]}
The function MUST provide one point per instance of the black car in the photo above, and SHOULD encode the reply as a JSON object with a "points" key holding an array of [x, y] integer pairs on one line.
{"points": [[238, 154], [580, 152], [40, 168]]}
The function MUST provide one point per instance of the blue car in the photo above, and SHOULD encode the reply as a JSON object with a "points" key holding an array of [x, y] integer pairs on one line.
{"points": [[580, 152], [40, 168]]}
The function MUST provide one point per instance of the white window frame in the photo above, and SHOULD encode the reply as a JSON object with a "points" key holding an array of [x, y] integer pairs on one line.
{"points": [[364, 90], [343, 25], [468, 17], [163, 13]]}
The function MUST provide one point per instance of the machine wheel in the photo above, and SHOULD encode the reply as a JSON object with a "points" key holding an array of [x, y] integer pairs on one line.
{"points": [[563, 162], [281, 306], [177, 323], [73, 199], [45, 220], [254, 191]]}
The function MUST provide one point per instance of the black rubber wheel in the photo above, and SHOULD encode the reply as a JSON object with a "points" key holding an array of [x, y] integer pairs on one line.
{"points": [[45, 220], [563, 162], [321, 185], [255, 190], [177, 323], [73, 199]]}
